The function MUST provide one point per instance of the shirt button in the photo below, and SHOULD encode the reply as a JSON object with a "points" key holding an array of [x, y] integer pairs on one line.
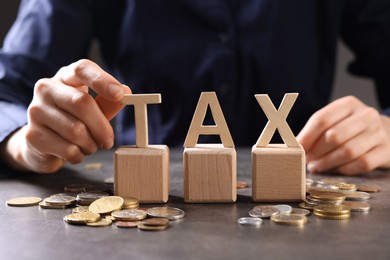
{"points": [[223, 37]]}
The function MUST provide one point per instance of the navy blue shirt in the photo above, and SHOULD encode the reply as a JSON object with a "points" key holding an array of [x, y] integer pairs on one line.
{"points": [[180, 48]]}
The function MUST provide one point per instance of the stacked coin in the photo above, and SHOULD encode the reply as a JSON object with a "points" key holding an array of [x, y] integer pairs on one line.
{"points": [[58, 202], [332, 212], [86, 198], [130, 203], [321, 197]]}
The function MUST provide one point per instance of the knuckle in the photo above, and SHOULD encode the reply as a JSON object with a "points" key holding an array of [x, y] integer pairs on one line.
{"points": [[73, 154], [318, 121], [35, 111], [333, 137], [81, 100], [348, 152], [41, 86], [351, 99], [364, 164], [77, 130], [371, 112]]}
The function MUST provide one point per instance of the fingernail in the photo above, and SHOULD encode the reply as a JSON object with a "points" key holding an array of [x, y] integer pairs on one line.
{"points": [[312, 167], [108, 144], [115, 90]]}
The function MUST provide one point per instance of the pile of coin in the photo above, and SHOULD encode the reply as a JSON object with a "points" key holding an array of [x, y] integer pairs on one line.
{"points": [[280, 214], [335, 199], [95, 207]]}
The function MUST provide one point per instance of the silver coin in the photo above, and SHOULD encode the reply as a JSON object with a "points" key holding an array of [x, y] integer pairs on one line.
{"points": [[129, 214], [166, 212], [299, 211], [60, 200], [263, 211], [283, 209], [250, 221], [356, 195]]}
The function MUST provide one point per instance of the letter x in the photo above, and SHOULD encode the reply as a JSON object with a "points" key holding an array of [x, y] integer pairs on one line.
{"points": [[277, 120]]}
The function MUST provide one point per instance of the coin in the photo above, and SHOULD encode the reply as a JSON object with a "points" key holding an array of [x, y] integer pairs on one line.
{"points": [[93, 166], [166, 212], [306, 205], [242, 185], [357, 206], [298, 211], [127, 224], [289, 219], [129, 215], [333, 217], [155, 222], [80, 209], [104, 222], [81, 217], [106, 205], [152, 228], [77, 188], [331, 210], [356, 195], [366, 188], [327, 195], [249, 221], [60, 200], [263, 211], [86, 198], [45, 205], [283, 209], [346, 186], [23, 201], [313, 201], [130, 203]]}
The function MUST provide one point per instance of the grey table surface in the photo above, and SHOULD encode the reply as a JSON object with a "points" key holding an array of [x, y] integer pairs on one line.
{"points": [[209, 231]]}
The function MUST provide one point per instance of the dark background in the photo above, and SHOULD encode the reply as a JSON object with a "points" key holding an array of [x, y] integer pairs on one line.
{"points": [[345, 84]]}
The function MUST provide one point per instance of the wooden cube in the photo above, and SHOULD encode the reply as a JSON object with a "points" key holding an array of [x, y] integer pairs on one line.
{"points": [[278, 173], [142, 173], [210, 174]]}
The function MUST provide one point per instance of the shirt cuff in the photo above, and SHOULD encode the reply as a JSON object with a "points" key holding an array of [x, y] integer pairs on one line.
{"points": [[12, 117]]}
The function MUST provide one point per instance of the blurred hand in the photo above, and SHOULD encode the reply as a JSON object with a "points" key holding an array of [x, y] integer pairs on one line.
{"points": [[65, 123], [347, 137]]}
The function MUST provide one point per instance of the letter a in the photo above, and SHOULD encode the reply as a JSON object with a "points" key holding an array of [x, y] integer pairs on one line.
{"points": [[197, 128]]}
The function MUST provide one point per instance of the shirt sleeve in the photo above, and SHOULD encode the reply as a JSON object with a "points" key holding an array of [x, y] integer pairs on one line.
{"points": [[46, 36], [12, 117], [365, 29]]}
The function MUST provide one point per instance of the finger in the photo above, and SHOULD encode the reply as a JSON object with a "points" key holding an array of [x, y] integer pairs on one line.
{"points": [[49, 143], [65, 125], [324, 119], [336, 136], [348, 152], [365, 163], [111, 109], [86, 72], [79, 104]]}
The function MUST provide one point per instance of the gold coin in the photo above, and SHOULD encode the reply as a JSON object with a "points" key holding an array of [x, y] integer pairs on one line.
{"points": [[152, 228], [45, 205], [77, 188], [346, 186], [155, 222], [106, 205], [357, 206], [311, 200], [129, 215], [306, 205], [333, 217], [289, 219], [331, 210], [127, 224], [110, 217], [298, 211], [130, 203], [80, 209], [366, 188], [93, 166], [104, 222], [242, 185], [327, 195], [23, 201], [82, 217]]}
